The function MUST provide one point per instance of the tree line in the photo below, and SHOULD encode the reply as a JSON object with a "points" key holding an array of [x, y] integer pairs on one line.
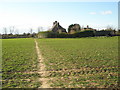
{"points": [[74, 30], [12, 32]]}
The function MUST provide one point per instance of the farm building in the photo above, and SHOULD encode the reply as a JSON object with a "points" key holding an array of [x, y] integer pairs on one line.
{"points": [[88, 28], [57, 28], [74, 28]]}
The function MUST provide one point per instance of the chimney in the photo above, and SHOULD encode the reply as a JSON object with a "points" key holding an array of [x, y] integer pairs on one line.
{"points": [[54, 22]]}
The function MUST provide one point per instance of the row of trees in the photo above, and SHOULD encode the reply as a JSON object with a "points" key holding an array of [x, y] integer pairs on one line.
{"points": [[24, 35], [74, 29], [12, 32]]}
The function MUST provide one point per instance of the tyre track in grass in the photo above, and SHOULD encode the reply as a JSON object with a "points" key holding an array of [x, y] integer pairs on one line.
{"points": [[41, 69]]}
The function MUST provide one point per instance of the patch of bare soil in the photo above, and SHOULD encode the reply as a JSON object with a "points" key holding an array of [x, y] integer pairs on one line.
{"points": [[42, 69]]}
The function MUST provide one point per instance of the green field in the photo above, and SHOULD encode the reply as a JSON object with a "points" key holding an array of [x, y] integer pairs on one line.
{"points": [[81, 62], [71, 63], [18, 56]]}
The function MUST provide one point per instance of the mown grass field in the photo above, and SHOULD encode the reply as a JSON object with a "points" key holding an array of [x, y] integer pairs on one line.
{"points": [[19, 56], [81, 62]]}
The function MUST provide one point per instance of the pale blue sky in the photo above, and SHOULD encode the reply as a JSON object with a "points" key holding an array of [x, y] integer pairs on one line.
{"points": [[26, 15]]}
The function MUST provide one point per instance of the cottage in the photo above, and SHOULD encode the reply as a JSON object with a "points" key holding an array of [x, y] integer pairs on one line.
{"points": [[88, 28], [58, 28]]}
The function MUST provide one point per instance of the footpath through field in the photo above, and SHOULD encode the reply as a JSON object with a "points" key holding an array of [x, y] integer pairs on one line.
{"points": [[41, 69], [80, 63]]}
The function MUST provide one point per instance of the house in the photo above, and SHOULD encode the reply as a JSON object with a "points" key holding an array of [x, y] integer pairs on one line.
{"points": [[74, 28], [88, 28], [58, 28]]}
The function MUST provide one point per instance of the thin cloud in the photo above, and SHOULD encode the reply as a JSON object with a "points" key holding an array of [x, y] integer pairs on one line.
{"points": [[106, 12], [92, 13]]}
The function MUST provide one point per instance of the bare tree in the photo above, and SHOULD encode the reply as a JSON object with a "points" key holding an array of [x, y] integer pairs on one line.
{"points": [[31, 30], [82, 27], [5, 30], [12, 29], [109, 27], [40, 29], [16, 31]]}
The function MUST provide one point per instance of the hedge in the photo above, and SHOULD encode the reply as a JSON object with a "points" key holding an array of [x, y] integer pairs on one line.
{"points": [[86, 33]]}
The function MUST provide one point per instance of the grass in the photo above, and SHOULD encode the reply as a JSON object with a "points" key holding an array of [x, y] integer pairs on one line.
{"points": [[95, 58], [18, 56], [71, 63]]}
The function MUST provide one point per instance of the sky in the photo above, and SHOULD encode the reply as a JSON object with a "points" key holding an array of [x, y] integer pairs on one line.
{"points": [[27, 14]]}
